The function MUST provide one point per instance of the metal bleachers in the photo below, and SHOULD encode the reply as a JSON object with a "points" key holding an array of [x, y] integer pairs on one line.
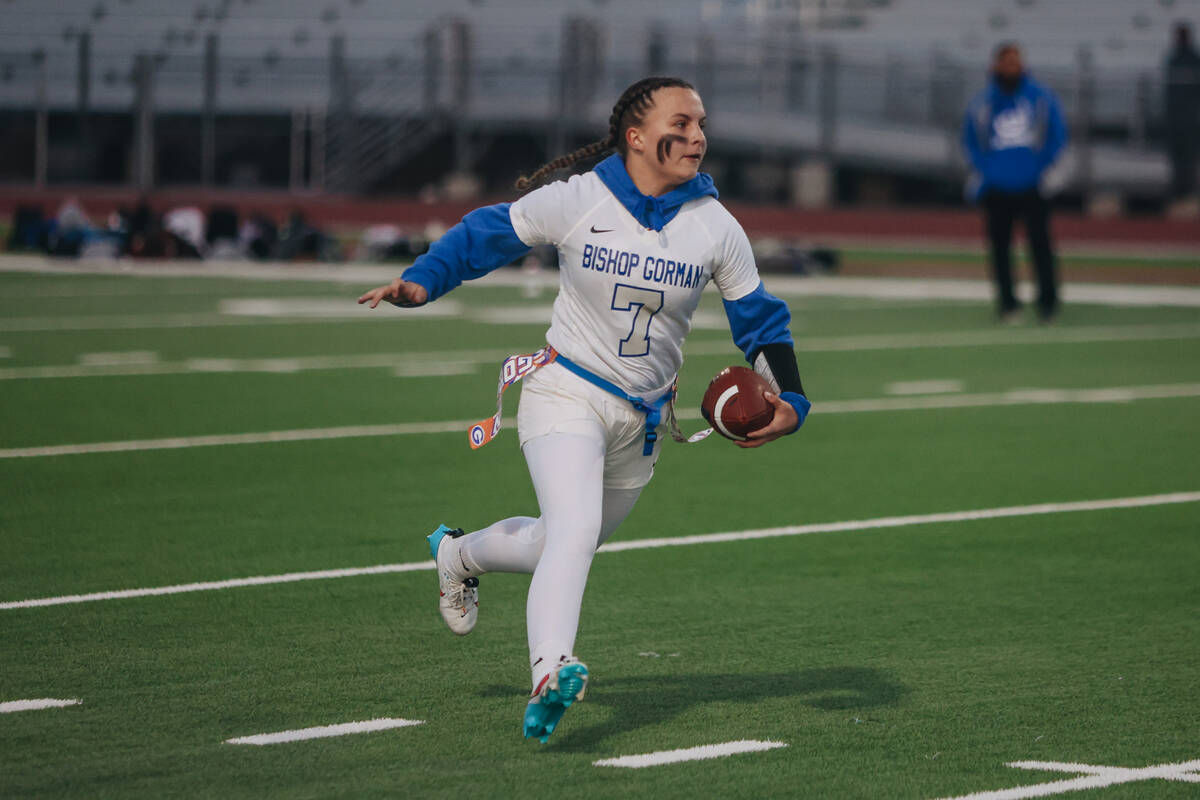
{"points": [[872, 82]]}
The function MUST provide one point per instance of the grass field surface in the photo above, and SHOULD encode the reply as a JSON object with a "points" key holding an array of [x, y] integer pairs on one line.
{"points": [[908, 661]]}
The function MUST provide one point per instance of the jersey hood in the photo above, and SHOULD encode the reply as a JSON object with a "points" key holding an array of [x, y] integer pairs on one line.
{"points": [[651, 212]]}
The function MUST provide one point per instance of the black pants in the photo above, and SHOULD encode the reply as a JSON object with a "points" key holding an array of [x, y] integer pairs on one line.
{"points": [[1003, 208], [1181, 147]]}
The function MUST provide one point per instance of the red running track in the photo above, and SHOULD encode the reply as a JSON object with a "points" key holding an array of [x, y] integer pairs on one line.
{"points": [[345, 211]]}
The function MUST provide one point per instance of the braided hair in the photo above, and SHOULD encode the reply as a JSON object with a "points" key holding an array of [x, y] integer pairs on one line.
{"points": [[629, 111]]}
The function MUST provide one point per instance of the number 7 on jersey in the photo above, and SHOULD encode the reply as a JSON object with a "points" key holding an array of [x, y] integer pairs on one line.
{"points": [[645, 303]]}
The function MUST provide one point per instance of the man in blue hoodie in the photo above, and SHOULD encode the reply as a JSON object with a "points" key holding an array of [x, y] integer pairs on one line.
{"points": [[1013, 132]]}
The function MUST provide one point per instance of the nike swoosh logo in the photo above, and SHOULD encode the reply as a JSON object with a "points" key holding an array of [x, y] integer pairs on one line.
{"points": [[601, 230]]}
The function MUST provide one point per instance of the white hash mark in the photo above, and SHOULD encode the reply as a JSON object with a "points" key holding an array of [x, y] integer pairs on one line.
{"points": [[1091, 777], [688, 754], [36, 704], [324, 731]]}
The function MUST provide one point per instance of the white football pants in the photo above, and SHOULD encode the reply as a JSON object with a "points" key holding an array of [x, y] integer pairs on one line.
{"points": [[583, 447], [578, 515]]}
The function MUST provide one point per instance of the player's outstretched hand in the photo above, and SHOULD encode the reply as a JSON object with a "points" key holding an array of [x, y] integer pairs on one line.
{"points": [[783, 423], [399, 292]]}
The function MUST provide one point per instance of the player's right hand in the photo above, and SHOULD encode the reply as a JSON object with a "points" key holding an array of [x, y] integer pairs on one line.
{"points": [[784, 422], [399, 292]]}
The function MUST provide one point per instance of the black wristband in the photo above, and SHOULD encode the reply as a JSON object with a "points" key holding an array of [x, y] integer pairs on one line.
{"points": [[779, 360]]}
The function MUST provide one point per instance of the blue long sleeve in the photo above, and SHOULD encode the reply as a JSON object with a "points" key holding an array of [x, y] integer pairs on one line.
{"points": [[758, 320], [970, 139], [485, 240], [1056, 135]]}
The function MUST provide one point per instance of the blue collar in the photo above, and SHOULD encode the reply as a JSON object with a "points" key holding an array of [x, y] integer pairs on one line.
{"points": [[652, 212]]}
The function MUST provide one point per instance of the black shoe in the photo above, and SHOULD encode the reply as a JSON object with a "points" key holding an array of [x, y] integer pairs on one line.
{"points": [[1047, 316]]}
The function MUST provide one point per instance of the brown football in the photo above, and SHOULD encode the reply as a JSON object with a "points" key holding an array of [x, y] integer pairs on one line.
{"points": [[734, 404]]}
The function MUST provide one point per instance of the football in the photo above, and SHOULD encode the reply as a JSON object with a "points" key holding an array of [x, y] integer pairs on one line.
{"points": [[734, 404]]}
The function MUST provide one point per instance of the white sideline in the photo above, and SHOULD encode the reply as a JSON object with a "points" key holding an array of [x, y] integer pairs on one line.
{"points": [[946, 386], [979, 290], [36, 704], [899, 522], [643, 544], [424, 362], [1095, 777], [1092, 334], [834, 286], [233, 583], [304, 435], [238, 313], [1015, 397], [325, 731], [688, 754], [118, 359]]}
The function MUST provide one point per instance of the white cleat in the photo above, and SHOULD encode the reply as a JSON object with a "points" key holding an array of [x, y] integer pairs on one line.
{"points": [[459, 597]]}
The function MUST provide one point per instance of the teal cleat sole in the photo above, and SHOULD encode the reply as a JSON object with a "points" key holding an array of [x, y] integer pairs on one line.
{"points": [[544, 711]]}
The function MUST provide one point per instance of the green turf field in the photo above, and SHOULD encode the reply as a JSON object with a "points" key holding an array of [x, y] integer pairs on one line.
{"points": [[913, 661]]}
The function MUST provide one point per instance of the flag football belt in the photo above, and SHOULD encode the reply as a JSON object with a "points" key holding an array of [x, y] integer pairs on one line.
{"points": [[515, 368]]}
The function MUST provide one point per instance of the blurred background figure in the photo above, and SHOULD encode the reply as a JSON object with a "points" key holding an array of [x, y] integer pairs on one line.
{"points": [[186, 224], [28, 230], [1013, 133], [69, 229], [1182, 107], [221, 233], [258, 237], [301, 241]]}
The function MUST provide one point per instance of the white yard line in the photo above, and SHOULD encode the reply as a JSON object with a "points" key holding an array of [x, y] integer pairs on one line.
{"points": [[424, 363], [338, 308], [998, 337], [1095, 777], [248, 312], [326, 731], [338, 311], [118, 359], [1015, 397], [204, 319], [304, 435], [233, 583], [900, 522], [1145, 501], [947, 386], [973, 247], [347, 288], [54, 290], [433, 370], [979, 290], [35, 704], [418, 363], [374, 274], [239, 270], [688, 754]]}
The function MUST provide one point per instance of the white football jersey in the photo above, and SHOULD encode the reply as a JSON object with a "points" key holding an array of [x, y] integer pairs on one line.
{"points": [[627, 293]]}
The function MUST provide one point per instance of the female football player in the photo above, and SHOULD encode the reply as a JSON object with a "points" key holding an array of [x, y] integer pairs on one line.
{"points": [[638, 237]]}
